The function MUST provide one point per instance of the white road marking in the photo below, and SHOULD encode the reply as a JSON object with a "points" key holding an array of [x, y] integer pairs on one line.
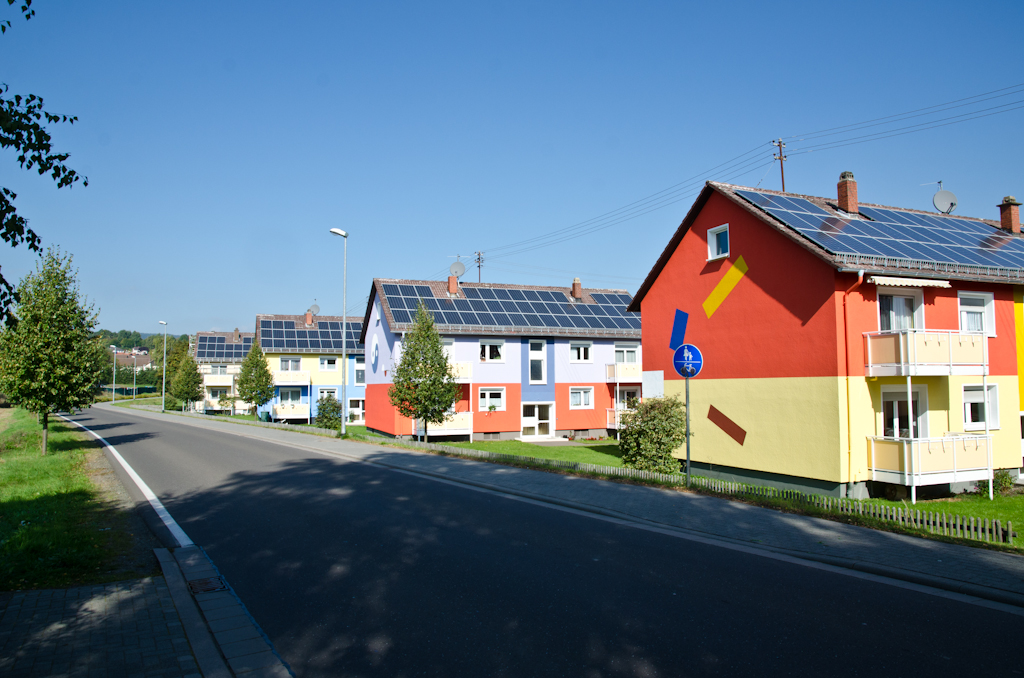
{"points": [[175, 529]]}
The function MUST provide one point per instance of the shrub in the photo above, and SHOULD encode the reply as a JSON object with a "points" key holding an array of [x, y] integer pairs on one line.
{"points": [[651, 432], [1003, 483], [328, 412]]}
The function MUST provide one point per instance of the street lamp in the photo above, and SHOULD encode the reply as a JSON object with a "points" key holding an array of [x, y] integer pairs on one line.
{"points": [[344, 334], [135, 373], [163, 398], [113, 391]]}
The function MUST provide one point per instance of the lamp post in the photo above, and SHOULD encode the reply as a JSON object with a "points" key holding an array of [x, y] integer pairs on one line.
{"points": [[163, 397], [113, 391], [344, 333], [135, 374]]}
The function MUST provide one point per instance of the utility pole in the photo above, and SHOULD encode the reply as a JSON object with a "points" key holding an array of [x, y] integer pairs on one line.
{"points": [[781, 157], [479, 265]]}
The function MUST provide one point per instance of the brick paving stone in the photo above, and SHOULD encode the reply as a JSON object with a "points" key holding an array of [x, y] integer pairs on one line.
{"points": [[109, 631]]}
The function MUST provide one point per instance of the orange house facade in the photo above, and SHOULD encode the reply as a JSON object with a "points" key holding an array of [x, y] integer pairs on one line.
{"points": [[848, 349], [533, 363]]}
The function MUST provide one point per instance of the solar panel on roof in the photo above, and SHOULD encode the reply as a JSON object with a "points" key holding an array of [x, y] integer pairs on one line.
{"points": [[401, 316], [407, 290], [391, 290], [471, 292], [424, 291], [516, 295], [501, 294]]}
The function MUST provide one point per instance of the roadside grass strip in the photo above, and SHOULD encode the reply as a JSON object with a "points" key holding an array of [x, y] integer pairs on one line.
{"points": [[55, 531]]}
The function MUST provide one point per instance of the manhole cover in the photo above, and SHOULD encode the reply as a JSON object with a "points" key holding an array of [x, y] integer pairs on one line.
{"points": [[208, 585]]}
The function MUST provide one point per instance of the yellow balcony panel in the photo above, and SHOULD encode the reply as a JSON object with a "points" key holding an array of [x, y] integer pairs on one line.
{"points": [[915, 353], [955, 457], [291, 411], [463, 371], [291, 378], [623, 372], [218, 379]]}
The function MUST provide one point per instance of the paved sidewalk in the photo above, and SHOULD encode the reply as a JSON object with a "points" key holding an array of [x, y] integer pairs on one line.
{"points": [[990, 574], [128, 628]]}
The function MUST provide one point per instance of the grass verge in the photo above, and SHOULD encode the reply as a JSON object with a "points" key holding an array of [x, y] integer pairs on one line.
{"points": [[57, 529]]}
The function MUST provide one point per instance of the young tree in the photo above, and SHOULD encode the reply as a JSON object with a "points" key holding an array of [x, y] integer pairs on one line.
{"points": [[227, 402], [48, 361], [187, 385], [424, 387], [650, 433], [255, 382], [328, 412]]}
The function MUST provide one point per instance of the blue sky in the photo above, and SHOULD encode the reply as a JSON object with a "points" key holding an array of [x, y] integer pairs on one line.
{"points": [[223, 140]]}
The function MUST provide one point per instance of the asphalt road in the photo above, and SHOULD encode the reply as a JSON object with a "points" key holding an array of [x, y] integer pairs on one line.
{"points": [[354, 570]]}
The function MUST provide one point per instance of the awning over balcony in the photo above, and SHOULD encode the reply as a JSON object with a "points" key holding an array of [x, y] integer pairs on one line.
{"points": [[891, 281]]}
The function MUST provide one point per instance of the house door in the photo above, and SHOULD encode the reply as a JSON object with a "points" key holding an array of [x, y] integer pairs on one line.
{"points": [[895, 418], [625, 395], [536, 420]]}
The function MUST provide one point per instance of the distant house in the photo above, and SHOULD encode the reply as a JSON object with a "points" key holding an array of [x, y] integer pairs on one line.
{"points": [[534, 362], [140, 350], [848, 348], [219, 356], [135, 361], [304, 353]]}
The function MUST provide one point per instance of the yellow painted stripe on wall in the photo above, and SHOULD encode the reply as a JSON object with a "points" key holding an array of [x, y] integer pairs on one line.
{"points": [[1018, 321], [726, 285]]}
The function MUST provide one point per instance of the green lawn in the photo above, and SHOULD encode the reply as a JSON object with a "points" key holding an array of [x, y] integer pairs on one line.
{"points": [[1004, 507], [605, 453], [55, 530]]}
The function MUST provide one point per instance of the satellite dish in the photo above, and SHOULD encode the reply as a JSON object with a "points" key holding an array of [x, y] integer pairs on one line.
{"points": [[944, 201], [314, 309], [457, 269]]}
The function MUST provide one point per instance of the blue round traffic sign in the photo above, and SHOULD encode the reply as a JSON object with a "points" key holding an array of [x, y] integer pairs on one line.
{"points": [[688, 360]]}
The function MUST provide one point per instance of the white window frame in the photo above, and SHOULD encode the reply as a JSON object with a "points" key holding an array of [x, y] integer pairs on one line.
{"points": [[900, 391], [325, 366], [500, 343], [215, 392], [290, 358], [289, 389], [713, 253], [586, 397], [976, 397], [581, 352], [626, 348], [543, 357], [220, 370], [321, 392], [360, 367], [990, 310], [490, 389], [916, 292]]}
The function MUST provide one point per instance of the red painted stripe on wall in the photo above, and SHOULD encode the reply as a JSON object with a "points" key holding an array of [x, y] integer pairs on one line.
{"points": [[726, 424]]}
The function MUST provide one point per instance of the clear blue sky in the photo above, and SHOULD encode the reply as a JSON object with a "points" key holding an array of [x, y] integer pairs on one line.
{"points": [[222, 140]]}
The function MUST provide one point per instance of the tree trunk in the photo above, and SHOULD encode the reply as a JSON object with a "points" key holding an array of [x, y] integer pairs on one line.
{"points": [[45, 419]]}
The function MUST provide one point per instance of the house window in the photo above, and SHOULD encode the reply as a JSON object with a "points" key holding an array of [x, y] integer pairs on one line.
{"points": [[492, 398], [356, 407], [538, 361], [718, 242], [974, 407], [360, 369], [328, 363], [290, 364], [625, 353], [332, 392], [579, 352], [492, 351], [896, 312], [581, 398], [977, 312], [218, 393], [218, 369], [291, 396]]}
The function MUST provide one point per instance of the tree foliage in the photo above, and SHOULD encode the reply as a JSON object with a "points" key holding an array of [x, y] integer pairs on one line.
{"points": [[255, 382], [423, 386], [328, 412], [48, 359], [23, 128], [650, 432], [187, 385]]}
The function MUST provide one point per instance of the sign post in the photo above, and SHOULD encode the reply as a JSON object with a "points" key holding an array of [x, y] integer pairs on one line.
{"points": [[688, 362]]}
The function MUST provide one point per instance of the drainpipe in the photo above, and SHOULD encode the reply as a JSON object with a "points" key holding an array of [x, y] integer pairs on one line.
{"points": [[846, 347]]}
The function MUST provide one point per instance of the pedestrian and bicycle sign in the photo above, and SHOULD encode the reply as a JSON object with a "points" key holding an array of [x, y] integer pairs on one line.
{"points": [[688, 360]]}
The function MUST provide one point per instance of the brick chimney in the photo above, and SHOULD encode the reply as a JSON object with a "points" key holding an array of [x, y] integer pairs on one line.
{"points": [[236, 337], [309, 318], [847, 193], [1009, 214], [453, 285], [577, 289]]}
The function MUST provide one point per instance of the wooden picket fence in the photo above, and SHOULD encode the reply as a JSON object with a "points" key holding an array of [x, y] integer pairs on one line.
{"points": [[965, 527]]}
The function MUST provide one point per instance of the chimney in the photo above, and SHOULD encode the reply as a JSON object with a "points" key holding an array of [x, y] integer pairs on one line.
{"points": [[236, 338], [309, 318], [577, 289], [453, 285], [847, 193], [1009, 214]]}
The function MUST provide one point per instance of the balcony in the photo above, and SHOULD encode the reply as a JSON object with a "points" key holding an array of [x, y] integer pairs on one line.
{"points": [[458, 424], [291, 378], [613, 417], [218, 379], [955, 457], [623, 373], [463, 371], [291, 411], [913, 353]]}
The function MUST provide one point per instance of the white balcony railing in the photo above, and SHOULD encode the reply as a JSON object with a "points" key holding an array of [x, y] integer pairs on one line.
{"points": [[463, 371], [624, 373], [219, 379], [955, 457], [912, 353], [458, 424], [291, 411], [613, 417], [291, 377]]}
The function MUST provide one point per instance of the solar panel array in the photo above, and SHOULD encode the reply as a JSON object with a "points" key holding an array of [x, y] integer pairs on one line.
{"points": [[900, 235], [487, 307], [219, 348], [282, 335]]}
